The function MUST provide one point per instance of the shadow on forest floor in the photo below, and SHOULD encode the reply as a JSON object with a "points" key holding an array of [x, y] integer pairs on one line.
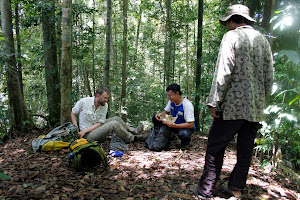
{"points": [[139, 174]]}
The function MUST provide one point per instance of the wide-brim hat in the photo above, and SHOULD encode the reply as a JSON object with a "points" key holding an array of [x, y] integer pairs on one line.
{"points": [[237, 9]]}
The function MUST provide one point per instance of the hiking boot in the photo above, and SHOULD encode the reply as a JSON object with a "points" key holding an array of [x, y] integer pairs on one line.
{"points": [[142, 137], [139, 129], [173, 137]]}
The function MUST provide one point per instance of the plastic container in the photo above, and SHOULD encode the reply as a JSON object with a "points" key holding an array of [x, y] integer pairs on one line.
{"points": [[70, 156], [116, 153]]}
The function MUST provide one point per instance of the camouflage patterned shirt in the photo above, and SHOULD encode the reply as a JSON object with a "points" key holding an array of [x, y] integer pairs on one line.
{"points": [[243, 76]]}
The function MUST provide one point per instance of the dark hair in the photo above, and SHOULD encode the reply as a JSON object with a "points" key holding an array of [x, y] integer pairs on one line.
{"points": [[239, 19], [175, 88], [101, 90]]}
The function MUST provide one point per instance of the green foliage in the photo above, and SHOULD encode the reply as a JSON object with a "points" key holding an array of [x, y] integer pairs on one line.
{"points": [[286, 25], [281, 130], [4, 176], [5, 115]]}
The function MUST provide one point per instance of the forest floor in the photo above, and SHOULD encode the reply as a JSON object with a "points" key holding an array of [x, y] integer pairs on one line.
{"points": [[139, 174]]}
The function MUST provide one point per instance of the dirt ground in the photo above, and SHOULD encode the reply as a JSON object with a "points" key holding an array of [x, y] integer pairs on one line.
{"points": [[139, 174]]}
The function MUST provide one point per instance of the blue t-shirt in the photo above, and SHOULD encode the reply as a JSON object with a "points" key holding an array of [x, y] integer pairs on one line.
{"points": [[184, 111]]}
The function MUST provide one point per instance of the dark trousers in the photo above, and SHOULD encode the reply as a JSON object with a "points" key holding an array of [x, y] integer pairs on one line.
{"points": [[221, 133], [184, 134]]}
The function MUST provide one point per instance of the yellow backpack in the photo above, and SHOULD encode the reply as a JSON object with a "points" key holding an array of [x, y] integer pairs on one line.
{"points": [[55, 145], [78, 142]]}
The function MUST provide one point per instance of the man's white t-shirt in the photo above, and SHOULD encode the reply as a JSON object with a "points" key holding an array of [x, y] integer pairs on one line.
{"points": [[88, 115], [187, 107]]}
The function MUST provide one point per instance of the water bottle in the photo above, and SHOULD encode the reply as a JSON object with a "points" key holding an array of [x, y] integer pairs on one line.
{"points": [[70, 156], [71, 159], [116, 153]]}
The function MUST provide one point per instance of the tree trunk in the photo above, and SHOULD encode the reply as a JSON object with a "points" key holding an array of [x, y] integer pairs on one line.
{"points": [[268, 10], [199, 60], [75, 67], [93, 67], [84, 66], [108, 38], [58, 34], [137, 38], [115, 50], [187, 51], [87, 81], [173, 55], [50, 58], [19, 62], [124, 59], [20, 116], [168, 48], [66, 62], [252, 5]]}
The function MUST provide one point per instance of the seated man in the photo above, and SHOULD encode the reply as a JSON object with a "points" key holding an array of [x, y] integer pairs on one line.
{"points": [[93, 124], [180, 108]]}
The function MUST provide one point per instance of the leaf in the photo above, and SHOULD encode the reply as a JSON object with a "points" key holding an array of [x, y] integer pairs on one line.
{"points": [[277, 12], [183, 196], [68, 189], [140, 186], [40, 189], [122, 188], [4, 176], [293, 100], [292, 55], [277, 25], [56, 197], [166, 188], [183, 186], [122, 183]]}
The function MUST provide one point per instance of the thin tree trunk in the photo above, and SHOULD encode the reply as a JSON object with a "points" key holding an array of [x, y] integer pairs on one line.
{"points": [[168, 48], [76, 54], [80, 47], [115, 57], [66, 63], [50, 58], [19, 62], [137, 38], [199, 60], [58, 34], [108, 38], [173, 55], [87, 81], [84, 66], [20, 115], [268, 15], [124, 60], [94, 37], [187, 51], [252, 5], [268, 10]]}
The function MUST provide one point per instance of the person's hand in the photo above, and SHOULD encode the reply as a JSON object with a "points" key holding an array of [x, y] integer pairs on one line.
{"points": [[157, 116], [171, 125], [81, 134], [213, 112]]}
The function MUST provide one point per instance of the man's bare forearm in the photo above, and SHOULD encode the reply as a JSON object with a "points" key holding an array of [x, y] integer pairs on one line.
{"points": [[74, 119]]}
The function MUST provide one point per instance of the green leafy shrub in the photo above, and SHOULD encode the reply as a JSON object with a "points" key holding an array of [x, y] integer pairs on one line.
{"points": [[281, 129]]}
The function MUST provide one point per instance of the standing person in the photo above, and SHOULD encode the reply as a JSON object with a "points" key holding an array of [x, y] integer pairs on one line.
{"points": [[242, 81], [93, 124], [180, 107]]}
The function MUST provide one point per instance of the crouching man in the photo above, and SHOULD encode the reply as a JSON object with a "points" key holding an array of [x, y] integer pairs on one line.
{"points": [[180, 108]]}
